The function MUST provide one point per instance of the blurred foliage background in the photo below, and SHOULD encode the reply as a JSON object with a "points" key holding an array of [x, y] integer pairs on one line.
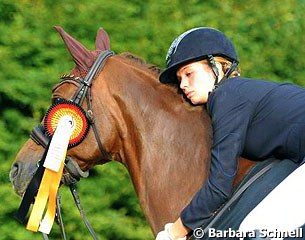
{"points": [[268, 35]]}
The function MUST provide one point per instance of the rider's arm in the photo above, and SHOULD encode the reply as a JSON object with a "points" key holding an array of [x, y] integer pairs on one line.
{"points": [[230, 113]]}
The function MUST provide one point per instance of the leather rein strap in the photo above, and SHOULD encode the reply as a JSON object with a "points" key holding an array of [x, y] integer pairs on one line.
{"points": [[73, 172]]}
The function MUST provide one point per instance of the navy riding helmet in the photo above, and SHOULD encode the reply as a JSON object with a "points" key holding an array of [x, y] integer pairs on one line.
{"points": [[198, 44]]}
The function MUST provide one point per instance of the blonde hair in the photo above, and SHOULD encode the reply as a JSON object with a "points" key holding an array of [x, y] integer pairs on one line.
{"points": [[226, 64]]}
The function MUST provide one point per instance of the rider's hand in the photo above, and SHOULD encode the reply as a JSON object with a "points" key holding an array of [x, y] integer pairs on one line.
{"points": [[165, 235]]}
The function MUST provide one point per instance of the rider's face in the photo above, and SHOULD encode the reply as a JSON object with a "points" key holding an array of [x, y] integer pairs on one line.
{"points": [[196, 81]]}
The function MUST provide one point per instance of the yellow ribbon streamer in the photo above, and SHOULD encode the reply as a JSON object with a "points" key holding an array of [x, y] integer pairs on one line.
{"points": [[49, 217], [54, 164], [47, 190]]}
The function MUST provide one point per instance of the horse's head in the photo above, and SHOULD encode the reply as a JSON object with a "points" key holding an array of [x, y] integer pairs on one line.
{"points": [[89, 152]]}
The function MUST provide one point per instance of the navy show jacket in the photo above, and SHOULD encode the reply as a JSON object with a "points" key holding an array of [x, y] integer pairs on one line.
{"points": [[254, 119]]}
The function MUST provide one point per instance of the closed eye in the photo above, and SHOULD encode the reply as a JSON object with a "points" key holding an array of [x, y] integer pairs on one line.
{"points": [[188, 74]]}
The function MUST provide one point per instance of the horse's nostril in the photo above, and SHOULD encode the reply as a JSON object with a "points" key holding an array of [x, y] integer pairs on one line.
{"points": [[14, 170]]}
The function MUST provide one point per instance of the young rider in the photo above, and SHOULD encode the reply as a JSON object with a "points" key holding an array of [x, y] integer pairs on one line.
{"points": [[255, 119]]}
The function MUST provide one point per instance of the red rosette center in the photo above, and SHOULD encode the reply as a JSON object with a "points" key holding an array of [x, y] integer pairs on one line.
{"points": [[67, 108]]}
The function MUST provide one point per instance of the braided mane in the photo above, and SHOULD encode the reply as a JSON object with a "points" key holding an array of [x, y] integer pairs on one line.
{"points": [[142, 62]]}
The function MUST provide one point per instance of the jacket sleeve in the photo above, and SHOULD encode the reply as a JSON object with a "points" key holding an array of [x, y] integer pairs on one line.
{"points": [[230, 113]]}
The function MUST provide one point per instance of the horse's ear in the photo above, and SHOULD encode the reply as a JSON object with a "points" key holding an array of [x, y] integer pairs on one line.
{"points": [[102, 41], [82, 57]]}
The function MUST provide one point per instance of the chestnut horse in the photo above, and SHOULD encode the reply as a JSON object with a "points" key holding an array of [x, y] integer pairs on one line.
{"points": [[161, 139]]}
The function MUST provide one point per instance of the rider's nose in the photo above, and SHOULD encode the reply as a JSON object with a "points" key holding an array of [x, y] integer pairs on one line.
{"points": [[183, 83]]}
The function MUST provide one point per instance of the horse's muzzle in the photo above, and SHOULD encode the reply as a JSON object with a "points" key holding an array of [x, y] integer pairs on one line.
{"points": [[20, 175]]}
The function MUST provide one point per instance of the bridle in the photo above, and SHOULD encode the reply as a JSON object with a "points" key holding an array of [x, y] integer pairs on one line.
{"points": [[73, 173]]}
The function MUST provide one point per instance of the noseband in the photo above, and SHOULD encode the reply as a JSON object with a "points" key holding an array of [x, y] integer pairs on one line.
{"points": [[73, 173]]}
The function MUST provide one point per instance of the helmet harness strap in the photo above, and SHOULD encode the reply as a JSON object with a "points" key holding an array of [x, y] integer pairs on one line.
{"points": [[231, 69], [212, 64]]}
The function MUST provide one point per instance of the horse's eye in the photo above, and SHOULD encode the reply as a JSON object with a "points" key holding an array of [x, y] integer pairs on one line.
{"points": [[55, 100]]}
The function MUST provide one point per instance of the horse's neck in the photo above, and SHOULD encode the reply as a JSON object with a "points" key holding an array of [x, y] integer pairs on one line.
{"points": [[165, 145]]}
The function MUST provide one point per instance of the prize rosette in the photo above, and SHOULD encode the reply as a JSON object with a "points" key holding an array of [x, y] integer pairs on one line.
{"points": [[61, 108]]}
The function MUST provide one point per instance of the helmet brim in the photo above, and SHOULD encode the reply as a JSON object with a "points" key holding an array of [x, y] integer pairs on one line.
{"points": [[169, 75]]}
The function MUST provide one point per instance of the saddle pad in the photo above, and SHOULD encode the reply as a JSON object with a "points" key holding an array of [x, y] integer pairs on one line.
{"points": [[234, 214], [279, 210]]}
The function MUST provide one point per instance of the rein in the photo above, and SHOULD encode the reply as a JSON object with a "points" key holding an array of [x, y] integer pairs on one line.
{"points": [[73, 173]]}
